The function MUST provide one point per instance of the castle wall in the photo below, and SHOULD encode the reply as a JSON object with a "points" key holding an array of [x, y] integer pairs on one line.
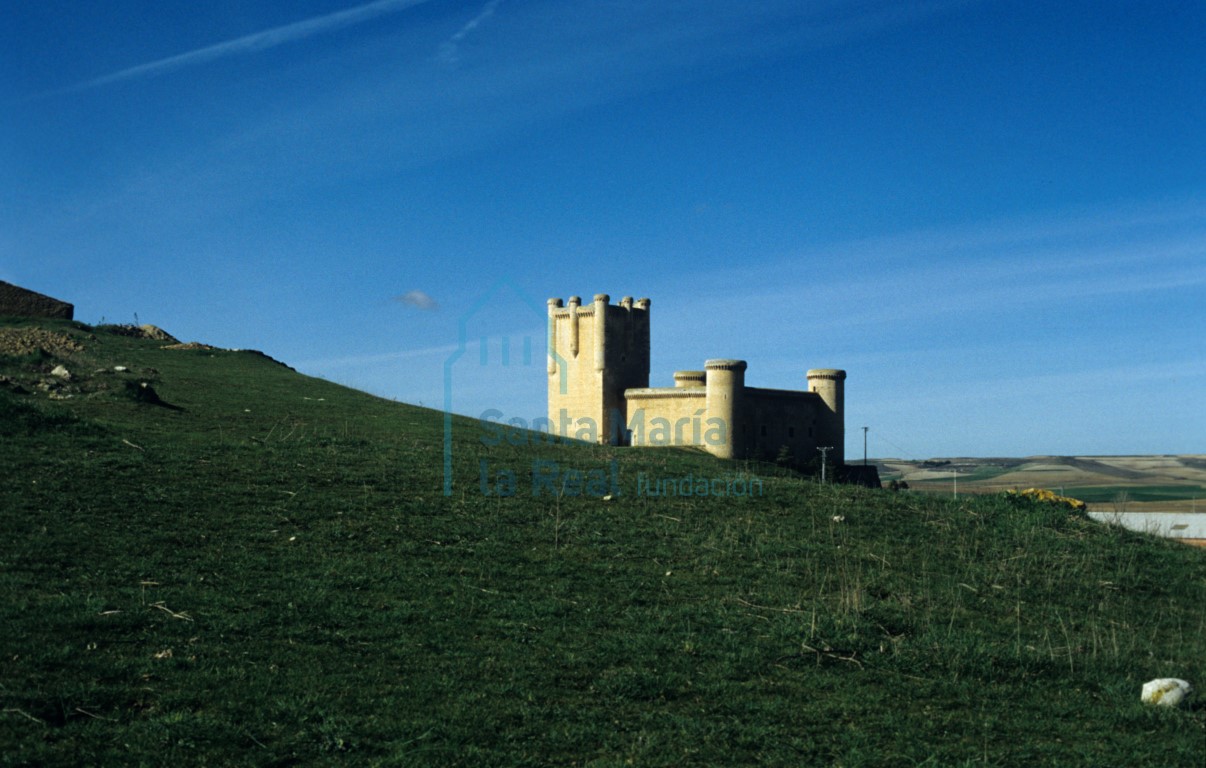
{"points": [[667, 416], [774, 419], [765, 421], [16, 301]]}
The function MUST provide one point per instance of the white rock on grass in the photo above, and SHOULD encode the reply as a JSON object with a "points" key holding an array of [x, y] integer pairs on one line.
{"points": [[61, 372], [1166, 691]]}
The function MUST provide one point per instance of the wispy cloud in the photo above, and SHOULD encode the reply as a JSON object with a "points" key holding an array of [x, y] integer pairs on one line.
{"points": [[253, 43], [418, 300], [450, 50], [1058, 258], [402, 104], [551, 60]]}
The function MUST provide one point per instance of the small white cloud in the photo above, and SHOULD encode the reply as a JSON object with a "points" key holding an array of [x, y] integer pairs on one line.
{"points": [[418, 300]]}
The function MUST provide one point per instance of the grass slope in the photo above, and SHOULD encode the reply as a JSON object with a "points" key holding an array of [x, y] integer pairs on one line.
{"points": [[267, 572]]}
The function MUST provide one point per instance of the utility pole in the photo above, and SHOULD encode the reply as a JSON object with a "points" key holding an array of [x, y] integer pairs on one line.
{"points": [[824, 460], [955, 474], [865, 445]]}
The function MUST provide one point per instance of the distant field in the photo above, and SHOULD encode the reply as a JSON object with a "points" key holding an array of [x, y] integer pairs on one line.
{"points": [[1115, 483], [1117, 494]]}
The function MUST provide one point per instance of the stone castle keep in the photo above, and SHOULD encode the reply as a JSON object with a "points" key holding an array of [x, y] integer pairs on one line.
{"points": [[599, 391]]}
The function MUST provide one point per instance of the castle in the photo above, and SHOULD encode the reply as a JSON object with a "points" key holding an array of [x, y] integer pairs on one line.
{"points": [[599, 391]]}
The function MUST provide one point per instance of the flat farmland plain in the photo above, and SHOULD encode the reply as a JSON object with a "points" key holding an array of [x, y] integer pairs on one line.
{"points": [[1166, 483]]}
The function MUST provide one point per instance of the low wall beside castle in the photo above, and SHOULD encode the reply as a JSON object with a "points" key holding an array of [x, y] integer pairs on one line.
{"points": [[665, 416], [16, 301]]}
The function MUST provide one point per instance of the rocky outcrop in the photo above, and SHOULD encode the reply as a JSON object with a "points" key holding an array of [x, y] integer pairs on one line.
{"points": [[28, 341], [153, 332]]}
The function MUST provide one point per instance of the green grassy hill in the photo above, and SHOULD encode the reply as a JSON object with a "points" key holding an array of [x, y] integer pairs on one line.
{"points": [[241, 565]]}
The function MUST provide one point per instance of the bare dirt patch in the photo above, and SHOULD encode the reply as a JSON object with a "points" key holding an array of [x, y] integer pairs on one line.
{"points": [[153, 332], [29, 341]]}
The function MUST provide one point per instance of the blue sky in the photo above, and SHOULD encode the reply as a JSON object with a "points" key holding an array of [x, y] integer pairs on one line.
{"points": [[991, 214]]}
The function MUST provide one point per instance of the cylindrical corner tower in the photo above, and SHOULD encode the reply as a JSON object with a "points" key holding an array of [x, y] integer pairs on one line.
{"points": [[725, 381], [829, 384]]}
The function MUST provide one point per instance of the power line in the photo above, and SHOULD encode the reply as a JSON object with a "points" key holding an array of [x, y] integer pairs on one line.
{"points": [[905, 452]]}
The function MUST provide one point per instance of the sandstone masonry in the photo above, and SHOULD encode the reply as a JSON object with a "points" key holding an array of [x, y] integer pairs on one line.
{"points": [[599, 391]]}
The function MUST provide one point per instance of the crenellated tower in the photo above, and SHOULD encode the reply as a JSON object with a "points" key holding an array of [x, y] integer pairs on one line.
{"points": [[596, 352]]}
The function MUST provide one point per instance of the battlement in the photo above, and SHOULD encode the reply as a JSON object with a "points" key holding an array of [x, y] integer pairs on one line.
{"points": [[683, 392], [725, 365], [827, 374], [684, 379], [574, 304]]}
